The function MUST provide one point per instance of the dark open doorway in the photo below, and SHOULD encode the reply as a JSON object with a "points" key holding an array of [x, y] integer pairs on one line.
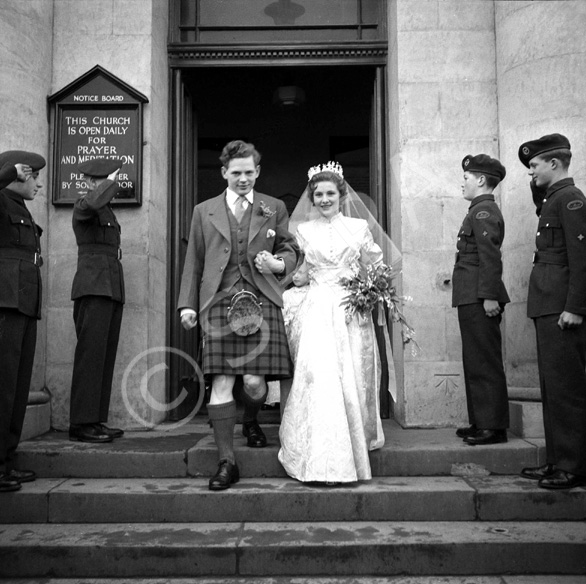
{"points": [[330, 121], [338, 117]]}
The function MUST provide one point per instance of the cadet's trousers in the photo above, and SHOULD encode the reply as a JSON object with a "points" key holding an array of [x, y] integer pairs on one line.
{"points": [[97, 325], [484, 373], [18, 340], [561, 357]]}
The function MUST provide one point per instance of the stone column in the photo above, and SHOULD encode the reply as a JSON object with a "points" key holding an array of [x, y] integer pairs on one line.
{"points": [[541, 78], [25, 81], [442, 84], [128, 38]]}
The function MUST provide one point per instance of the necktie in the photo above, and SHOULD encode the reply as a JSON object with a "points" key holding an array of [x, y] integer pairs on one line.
{"points": [[239, 208]]}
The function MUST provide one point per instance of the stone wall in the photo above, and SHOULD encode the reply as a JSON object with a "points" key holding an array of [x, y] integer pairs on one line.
{"points": [[443, 106], [128, 38]]}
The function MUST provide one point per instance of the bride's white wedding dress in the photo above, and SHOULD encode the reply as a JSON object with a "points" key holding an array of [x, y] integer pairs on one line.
{"points": [[332, 417]]}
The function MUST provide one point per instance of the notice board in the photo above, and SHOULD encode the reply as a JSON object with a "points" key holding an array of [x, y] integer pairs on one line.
{"points": [[97, 116]]}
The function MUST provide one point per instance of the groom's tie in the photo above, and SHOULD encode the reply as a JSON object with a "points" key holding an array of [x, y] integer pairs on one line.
{"points": [[239, 208]]}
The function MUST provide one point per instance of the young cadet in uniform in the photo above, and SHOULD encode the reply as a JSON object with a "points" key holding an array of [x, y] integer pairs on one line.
{"points": [[20, 303], [557, 305], [480, 295], [98, 295]]}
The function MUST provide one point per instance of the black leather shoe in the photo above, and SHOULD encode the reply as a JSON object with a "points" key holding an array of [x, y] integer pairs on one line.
{"points": [[88, 433], [560, 479], [7, 484], [483, 437], [465, 432], [226, 475], [256, 437], [22, 476], [537, 473], [114, 432]]}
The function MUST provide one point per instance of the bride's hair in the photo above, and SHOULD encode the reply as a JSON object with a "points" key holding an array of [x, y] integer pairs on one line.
{"points": [[329, 176]]}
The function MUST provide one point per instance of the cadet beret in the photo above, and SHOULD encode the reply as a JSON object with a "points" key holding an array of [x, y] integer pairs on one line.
{"points": [[12, 157], [484, 164], [547, 143], [99, 167]]}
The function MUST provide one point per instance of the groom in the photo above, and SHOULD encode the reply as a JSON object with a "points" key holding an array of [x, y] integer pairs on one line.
{"points": [[238, 241]]}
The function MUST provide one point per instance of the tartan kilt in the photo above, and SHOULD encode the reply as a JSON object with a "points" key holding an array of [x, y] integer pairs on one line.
{"points": [[265, 352]]}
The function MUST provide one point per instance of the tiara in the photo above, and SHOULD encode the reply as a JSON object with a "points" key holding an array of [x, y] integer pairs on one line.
{"points": [[329, 167]]}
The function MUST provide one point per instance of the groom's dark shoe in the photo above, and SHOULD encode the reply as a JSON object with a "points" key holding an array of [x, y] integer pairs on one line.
{"points": [[537, 473], [256, 437], [226, 475]]}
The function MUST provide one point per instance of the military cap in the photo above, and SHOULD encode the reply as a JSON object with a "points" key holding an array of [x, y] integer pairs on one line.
{"points": [[484, 164], [99, 167], [12, 157], [533, 148]]}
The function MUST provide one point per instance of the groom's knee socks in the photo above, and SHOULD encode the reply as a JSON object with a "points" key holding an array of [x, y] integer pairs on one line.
{"points": [[223, 417]]}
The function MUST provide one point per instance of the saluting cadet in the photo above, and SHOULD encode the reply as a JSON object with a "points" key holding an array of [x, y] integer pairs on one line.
{"points": [[20, 303], [480, 295], [557, 305], [98, 295]]}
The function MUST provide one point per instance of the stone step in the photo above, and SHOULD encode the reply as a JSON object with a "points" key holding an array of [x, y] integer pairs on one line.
{"points": [[332, 549], [272, 500], [189, 450], [500, 579]]}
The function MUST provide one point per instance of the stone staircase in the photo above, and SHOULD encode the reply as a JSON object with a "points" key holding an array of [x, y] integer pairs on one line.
{"points": [[139, 510]]}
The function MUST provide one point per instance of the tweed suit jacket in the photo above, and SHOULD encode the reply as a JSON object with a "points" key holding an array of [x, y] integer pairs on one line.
{"points": [[209, 248]]}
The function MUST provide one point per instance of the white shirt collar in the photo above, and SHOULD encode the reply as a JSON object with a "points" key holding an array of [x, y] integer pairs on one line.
{"points": [[232, 197]]}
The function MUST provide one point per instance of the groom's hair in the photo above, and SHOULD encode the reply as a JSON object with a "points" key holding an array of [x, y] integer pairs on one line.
{"points": [[239, 149]]}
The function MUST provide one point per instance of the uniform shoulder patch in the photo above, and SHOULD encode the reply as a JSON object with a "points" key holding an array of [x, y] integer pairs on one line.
{"points": [[575, 205], [482, 215]]}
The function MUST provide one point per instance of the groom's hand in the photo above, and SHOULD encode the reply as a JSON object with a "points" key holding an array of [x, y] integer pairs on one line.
{"points": [[189, 320]]}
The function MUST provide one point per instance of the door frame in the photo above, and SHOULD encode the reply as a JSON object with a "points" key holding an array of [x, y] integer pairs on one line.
{"points": [[183, 168]]}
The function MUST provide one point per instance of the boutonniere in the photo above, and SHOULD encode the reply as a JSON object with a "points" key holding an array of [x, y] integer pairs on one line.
{"points": [[270, 233], [265, 210]]}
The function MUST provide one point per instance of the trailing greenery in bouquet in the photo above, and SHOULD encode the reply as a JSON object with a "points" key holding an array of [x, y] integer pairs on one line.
{"points": [[375, 286]]}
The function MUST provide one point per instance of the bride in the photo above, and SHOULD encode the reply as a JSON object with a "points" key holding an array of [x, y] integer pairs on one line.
{"points": [[331, 419]]}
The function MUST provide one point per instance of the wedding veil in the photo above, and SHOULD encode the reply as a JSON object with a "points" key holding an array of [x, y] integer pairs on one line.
{"points": [[351, 206]]}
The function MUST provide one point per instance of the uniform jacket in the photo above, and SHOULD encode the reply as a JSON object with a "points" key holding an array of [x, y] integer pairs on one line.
{"points": [[20, 251], [560, 284], [478, 272], [97, 232], [210, 247]]}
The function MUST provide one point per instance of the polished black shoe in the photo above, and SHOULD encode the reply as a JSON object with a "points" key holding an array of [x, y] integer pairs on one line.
{"points": [[465, 432], [483, 437], [7, 484], [560, 479], [226, 475], [114, 432], [22, 476], [256, 437], [537, 473], [88, 433]]}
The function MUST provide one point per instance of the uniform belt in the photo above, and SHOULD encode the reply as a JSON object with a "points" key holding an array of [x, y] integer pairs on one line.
{"points": [[100, 248], [21, 254], [467, 257], [544, 257]]}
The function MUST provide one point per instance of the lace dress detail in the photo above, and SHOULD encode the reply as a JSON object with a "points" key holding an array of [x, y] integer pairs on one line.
{"points": [[332, 416]]}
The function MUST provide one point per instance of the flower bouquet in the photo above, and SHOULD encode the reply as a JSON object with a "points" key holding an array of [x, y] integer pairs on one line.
{"points": [[371, 287]]}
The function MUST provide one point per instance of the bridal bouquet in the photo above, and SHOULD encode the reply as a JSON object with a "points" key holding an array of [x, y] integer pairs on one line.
{"points": [[371, 287]]}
